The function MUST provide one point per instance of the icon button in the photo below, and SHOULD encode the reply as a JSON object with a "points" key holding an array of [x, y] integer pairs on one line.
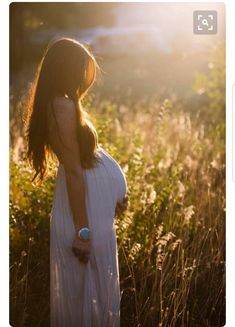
{"points": [[205, 22]]}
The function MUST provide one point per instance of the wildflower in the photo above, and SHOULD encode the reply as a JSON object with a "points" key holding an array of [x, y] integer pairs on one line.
{"points": [[188, 213]]}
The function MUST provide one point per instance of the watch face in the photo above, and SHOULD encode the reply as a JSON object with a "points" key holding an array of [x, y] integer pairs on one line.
{"points": [[84, 234]]}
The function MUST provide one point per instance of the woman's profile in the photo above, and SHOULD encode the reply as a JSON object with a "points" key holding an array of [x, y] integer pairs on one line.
{"points": [[90, 188]]}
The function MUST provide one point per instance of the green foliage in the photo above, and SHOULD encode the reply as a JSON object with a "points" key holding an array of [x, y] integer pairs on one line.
{"points": [[29, 246]]}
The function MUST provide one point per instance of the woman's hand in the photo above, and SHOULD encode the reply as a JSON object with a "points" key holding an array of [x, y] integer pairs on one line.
{"points": [[122, 206], [81, 249]]}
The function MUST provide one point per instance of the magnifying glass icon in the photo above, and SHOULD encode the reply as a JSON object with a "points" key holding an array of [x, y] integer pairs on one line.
{"points": [[205, 22]]}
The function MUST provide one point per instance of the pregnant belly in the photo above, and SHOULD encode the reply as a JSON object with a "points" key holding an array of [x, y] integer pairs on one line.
{"points": [[111, 176], [121, 184], [117, 174]]}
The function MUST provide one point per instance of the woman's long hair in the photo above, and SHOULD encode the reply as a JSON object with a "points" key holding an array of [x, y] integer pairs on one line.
{"points": [[66, 69]]}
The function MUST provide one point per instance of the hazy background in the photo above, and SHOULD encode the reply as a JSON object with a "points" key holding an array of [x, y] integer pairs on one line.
{"points": [[144, 48]]}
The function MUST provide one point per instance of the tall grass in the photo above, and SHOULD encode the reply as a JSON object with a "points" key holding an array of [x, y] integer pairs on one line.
{"points": [[172, 237]]}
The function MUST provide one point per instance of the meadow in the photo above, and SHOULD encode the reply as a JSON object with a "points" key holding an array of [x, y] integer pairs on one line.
{"points": [[171, 240]]}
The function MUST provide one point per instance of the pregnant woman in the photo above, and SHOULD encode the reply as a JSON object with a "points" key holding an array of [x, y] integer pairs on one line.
{"points": [[90, 190]]}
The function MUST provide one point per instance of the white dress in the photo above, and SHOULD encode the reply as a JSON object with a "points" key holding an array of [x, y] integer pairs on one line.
{"points": [[87, 295]]}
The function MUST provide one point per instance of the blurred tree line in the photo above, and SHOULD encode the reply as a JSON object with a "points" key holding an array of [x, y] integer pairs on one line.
{"points": [[26, 19]]}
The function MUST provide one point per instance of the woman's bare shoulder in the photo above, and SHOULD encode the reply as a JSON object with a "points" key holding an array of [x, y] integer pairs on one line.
{"points": [[65, 114]]}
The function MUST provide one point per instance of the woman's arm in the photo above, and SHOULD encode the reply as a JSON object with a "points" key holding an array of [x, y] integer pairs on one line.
{"points": [[68, 147]]}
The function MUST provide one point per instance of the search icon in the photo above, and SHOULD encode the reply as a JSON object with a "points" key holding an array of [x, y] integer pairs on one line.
{"points": [[205, 22]]}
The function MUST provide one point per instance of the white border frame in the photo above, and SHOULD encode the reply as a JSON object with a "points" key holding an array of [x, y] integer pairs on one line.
{"points": [[4, 146]]}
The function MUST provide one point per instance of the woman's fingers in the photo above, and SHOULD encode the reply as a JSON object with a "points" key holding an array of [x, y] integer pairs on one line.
{"points": [[118, 209], [125, 199], [81, 249], [121, 206], [84, 257], [79, 252], [82, 254]]}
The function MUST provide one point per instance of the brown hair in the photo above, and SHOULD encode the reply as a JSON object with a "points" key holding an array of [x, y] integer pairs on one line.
{"points": [[67, 69]]}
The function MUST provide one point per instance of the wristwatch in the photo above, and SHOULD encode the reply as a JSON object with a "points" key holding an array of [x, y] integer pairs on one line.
{"points": [[84, 234]]}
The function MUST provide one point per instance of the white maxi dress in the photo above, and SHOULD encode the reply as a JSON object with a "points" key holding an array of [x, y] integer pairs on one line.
{"points": [[87, 295]]}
